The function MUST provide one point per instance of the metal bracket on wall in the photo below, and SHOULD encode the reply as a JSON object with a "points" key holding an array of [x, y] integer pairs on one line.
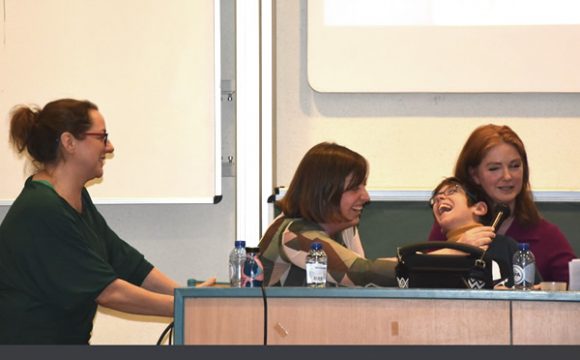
{"points": [[228, 88], [228, 167]]}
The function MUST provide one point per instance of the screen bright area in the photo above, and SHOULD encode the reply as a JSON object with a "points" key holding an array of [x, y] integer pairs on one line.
{"points": [[451, 12], [479, 46]]}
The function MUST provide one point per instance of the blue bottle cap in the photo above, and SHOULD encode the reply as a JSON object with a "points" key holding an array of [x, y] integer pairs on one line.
{"points": [[316, 246], [524, 246], [240, 243]]}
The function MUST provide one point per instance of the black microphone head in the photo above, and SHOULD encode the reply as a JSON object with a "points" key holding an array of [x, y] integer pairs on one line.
{"points": [[501, 212], [503, 208]]}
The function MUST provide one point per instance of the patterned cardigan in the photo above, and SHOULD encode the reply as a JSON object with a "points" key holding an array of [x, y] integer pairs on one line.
{"points": [[284, 247]]}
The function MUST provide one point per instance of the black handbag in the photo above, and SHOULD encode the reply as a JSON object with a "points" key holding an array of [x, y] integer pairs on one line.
{"points": [[416, 269]]}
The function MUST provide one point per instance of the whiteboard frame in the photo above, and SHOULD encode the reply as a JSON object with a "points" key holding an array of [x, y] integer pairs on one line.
{"points": [[425, 195]]}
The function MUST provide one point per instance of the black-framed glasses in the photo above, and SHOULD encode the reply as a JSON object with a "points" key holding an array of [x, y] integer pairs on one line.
{"points": [[103, 135], [447, 193]]}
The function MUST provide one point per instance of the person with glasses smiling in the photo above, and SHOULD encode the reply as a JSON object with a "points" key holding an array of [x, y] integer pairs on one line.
{"points": [[58, 257], [457, 210], [495, 163]]}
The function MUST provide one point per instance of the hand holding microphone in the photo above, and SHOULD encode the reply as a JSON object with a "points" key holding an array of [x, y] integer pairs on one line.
{"points": [[480, 236]]}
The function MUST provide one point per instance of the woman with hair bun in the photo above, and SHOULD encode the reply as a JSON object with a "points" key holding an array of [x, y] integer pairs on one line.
{"points": [[58, 257]]}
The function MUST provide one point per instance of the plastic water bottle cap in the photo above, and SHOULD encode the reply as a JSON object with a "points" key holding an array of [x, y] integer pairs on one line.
{"points": [[240, 243], [524, 246], [316, 246]]}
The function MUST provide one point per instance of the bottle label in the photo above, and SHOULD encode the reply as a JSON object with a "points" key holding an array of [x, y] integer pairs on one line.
{"points": [[236, 268], [524, 276], [529, 273], [315, 273], [236, 274]]}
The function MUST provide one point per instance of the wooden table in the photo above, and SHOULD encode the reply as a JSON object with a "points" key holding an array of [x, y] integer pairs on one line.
{"points": [[375, 316]]}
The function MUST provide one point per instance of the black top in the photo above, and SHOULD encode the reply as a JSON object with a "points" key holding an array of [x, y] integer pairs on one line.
{"points": [[54, 262]]}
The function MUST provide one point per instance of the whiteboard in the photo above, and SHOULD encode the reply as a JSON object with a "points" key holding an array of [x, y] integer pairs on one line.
{"points": [[412, 140], [152, 68], [358, 53]]}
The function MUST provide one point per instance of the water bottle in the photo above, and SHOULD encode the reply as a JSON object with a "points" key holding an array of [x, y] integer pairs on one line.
{"points": [[524, 264], [316, 265], [237, 260], [253, 274]]}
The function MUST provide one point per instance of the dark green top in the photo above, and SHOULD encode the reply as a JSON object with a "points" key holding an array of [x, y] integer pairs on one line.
{"points": [[54, 262]]}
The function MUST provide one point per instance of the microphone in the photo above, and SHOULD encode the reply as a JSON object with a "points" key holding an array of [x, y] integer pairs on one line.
{"points": [[502, 212]]}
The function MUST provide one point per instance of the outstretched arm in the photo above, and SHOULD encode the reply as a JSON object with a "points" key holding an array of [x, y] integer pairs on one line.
{"points": [[158, 282], [123, 296], [154, 297]]}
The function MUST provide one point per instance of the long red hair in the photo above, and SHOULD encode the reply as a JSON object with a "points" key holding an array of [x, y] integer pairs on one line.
{"points": [[476, 148]]}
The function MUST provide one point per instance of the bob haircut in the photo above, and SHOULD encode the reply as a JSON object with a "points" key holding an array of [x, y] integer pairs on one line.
{"points": [[476, 148], [316, 189]]}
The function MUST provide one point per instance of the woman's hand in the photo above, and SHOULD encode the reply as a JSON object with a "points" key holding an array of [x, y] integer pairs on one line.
{"points": [[480, 237]]}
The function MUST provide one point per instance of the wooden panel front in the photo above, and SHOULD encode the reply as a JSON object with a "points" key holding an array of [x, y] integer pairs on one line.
{"points": [[387, 321], [223, 321], [546, 323]]}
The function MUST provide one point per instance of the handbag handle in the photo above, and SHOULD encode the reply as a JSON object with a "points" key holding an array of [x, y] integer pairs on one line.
{"points": [[437, 245]]}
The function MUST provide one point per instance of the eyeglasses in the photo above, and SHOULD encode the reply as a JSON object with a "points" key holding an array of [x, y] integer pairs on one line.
{"points": [[447, 193], [102, 135]]}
